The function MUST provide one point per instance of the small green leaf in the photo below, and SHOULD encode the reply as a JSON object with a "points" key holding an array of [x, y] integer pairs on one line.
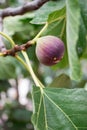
{"points": [[62, 81], [73, 23], [42, 14], [54, 28], [59, 109], [56, 15]]}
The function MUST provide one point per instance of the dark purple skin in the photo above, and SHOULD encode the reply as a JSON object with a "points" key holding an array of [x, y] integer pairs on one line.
{"points": [[49, 50]]}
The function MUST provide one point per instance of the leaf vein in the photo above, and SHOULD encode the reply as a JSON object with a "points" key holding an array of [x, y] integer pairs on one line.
{"points": [[62, 111], [45, 114], [38, 111]]}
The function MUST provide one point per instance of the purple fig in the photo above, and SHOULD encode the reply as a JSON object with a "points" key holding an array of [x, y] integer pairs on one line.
{"points": [[49, 50]]}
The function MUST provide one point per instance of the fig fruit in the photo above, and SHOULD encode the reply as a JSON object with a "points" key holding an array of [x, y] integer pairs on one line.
{"points": [[49, 50]]}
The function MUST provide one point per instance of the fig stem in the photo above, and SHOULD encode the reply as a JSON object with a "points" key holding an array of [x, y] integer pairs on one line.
{"points": [[38, 35], [8, 38], [22, 61], [29, 68]]}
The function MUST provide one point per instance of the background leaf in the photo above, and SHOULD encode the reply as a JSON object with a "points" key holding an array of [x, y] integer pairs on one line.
{"points": [[11, 68], [42, 14], [21, 115], [83, 6], [18, 26], [7, 68], [4, 85], [82, 42], [57, 109]]}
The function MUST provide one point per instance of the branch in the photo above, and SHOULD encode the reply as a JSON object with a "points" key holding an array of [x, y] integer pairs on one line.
{"points": [[17, 48], [30, 6]]}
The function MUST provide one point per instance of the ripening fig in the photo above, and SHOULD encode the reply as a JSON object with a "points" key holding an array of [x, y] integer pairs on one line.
{"points": [[49, 50]]}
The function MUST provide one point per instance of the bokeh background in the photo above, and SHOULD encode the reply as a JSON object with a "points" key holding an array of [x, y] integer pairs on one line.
{"points": [[16, 83]]}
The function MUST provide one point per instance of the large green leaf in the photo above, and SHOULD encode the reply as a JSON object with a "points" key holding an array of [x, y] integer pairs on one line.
{"points": [[59, 109], [42, 14], [73, 23]]}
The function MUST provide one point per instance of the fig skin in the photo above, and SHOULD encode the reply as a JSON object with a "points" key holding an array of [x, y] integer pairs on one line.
{"points": [[49, 50]]}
